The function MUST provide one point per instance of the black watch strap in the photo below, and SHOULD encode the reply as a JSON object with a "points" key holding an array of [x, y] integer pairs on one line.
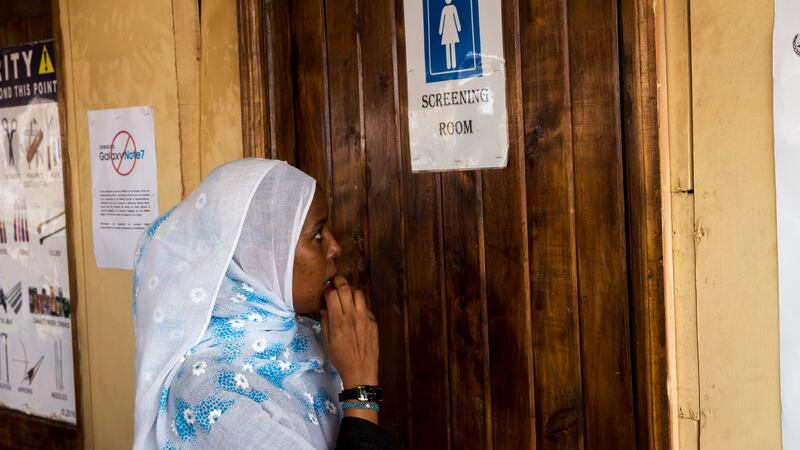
{"points": [[363, 393]]}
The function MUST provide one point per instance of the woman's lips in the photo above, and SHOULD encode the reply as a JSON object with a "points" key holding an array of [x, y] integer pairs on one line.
{"points": [[329, 282]]}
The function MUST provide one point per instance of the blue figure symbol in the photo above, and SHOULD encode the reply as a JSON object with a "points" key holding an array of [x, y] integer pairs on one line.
{"points": [[452, 40], [449, 28]]}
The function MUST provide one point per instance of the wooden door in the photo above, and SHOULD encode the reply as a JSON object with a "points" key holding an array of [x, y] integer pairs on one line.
{"points": [[513, 311]]}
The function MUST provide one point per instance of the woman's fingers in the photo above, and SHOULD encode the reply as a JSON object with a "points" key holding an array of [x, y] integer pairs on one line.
{"points": [[333, 304], [345, 294], [360, 303]]}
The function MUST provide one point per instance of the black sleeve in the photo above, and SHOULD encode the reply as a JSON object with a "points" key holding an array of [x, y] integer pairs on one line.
{"points": [[360, 434]]}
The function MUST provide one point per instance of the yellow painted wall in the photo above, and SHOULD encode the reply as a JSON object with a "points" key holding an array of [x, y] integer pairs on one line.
{"points": [[719, 58], [147, 52], [221, 121]]}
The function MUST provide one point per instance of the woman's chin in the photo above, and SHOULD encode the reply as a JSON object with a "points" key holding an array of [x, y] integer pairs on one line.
{"points": [[312, 308]]}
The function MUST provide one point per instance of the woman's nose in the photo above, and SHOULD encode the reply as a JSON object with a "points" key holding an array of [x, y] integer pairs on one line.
{"points": [[334, 250]]}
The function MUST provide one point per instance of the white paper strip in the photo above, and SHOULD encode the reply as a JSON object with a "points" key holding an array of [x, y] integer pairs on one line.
{"points": [[786, 75]]}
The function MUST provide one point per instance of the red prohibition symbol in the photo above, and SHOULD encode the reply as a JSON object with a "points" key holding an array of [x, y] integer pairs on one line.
{"points": [[129, 144]]}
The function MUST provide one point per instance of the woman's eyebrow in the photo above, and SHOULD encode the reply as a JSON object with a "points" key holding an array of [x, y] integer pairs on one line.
{"points": [[316, 226], [321, 222]]}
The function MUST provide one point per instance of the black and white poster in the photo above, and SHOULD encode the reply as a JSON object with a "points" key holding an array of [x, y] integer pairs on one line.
{"points": [[36, 367]]}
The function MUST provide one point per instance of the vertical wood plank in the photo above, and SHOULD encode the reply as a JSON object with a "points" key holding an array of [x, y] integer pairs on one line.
{"points": [[27, 8], [429, 398], [465, 294], [507, 285], [551, 223], [23, 431], [312, 138], [688, 374], [39, 27], [348, 179], [16, 32], [255, 118], [428, 369], [644, 181], [679, 95], [385, 215], [600, 226], [81, 437], [279, 80], [679, 74]]}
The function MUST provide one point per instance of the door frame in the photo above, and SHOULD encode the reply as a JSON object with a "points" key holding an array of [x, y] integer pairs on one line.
{"points": [[263, 47]]}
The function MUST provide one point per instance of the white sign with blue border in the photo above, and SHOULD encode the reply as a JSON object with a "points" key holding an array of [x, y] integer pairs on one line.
{"points": [[457, 115]]}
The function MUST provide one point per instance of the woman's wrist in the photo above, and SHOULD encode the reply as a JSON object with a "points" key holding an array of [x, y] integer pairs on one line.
{"points": [[350, 405], [359, 380]]}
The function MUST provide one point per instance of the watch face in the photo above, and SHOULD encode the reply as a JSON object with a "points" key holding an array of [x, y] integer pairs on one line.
{"points": [[362, 394]]}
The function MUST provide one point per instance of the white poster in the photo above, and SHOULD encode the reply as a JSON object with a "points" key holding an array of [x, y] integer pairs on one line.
{"points": [[124, 184], [786, 99], [36, 368], [457, 117]]}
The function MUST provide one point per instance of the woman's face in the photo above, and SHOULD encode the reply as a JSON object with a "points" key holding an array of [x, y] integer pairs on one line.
{"points": [[314, 258]]}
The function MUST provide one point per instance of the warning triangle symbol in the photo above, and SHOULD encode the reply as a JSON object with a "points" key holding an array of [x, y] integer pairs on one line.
{"points": [[46, 65]]}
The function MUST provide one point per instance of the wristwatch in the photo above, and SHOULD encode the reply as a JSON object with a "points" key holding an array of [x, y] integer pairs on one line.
{"points": [[363, 393]]}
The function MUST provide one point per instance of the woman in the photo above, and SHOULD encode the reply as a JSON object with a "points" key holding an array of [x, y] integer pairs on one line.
{"points": [[449, 29], [225, 356]]}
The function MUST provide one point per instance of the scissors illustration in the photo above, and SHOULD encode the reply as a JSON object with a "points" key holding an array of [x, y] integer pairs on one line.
{"points": [[10, 135]]}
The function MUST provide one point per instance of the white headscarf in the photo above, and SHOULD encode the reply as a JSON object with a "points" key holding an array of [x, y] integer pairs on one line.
{"points": [[222, 359]]}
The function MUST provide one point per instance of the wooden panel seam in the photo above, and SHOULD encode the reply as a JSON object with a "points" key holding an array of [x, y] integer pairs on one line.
{"points": [[506, 269], [484, 319], [78, 245], [520, 142], [280, 83], [679, 92], [251, 59], [327, 139], [643, 153], [384, 207], [673, 73], [426, 287], [664, 175], [399, 148], [186, 36]]}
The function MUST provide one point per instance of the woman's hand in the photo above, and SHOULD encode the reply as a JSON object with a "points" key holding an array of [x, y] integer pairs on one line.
{"points": [[350, 335]]}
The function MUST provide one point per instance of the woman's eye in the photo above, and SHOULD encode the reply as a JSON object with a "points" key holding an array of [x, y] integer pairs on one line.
{"points": [[318, 236]]}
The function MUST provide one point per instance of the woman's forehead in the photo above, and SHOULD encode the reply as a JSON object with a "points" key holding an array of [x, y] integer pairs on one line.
{"points": [[319, 208]]}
